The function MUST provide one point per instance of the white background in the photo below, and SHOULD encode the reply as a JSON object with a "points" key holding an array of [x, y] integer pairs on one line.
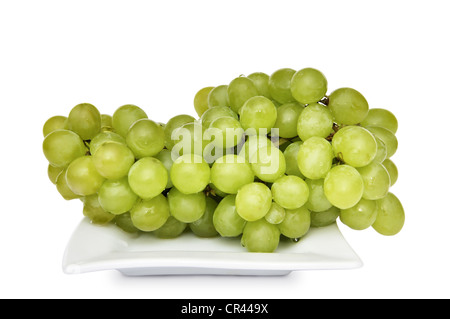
{"points": [[157, 55]]}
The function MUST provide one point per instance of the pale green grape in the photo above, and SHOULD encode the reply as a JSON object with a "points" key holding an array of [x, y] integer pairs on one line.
{"points": [[253, 201], [117, 197], [85, 120], [314, 157], [190, 174], [343, 186], [376, 181], [55, 123], [104, 137], [125, 116], [296, 223], [290, 192], [171, 229], [173, 124], [113, 160], [290, 155], [287, 118], [390, 216], [216, 192], [150, 214], [280, 85], [258, 113], [191, 138], [187, 208], [106, 123], [124, 222], [388, 138], [230, 172], [201, 100], [148, 177], [381, 151], [382, 118], [348, 106], [227, 132], [214, 113], [218, 96], [317, 201], [145, 138], [53, 173], [253, 143], [226, 219], [95, 212], [392, 170], [355, 146], [315, 120], [276, 214], [361, 216], [308, 85], [260, 236], [261, 81], [61, 147], [204, 226], [63, 187], [325, 218], [82, 176], [268, 164], [240, 90], [165, 156]]}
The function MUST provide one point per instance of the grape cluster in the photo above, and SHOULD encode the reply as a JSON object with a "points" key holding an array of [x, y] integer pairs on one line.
{"points": [[268, 158]]}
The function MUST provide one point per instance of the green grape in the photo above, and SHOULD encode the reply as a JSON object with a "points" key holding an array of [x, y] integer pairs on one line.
{"points": [[227, 132], [226, 219], [95, 212], [253, 143], [382, 118], [253, 201], [325, 218], [214, 191], [276, 214], [308, 85], [106, 123], [361, 216], [150, 214], [214, 113], [191, 138], [204, 226], [145, 138], [268, 164], [315, 120], [296, 223], [290, 155], [63, 187], [55, 123], [348, 106], [117, 197], [287, 118], [376, 181], [125, 116], [355, 146], [317, 201], [173, 124], [280, 85], [165, 156], [343, 186], [148, 177], [381, 151], [187, 208], [261, 81], [230, 172], [258, 113], [61, 147], [315, 157], [124, 222], [218, 96], [85, 120], [240, 90], [82, 176], [392, 170], [104, 137], [190, 174], [390, 216], [171, 229], [290, 192], [387, 137], [113, 160], [260, 236], [53, 173], [201, 100]]}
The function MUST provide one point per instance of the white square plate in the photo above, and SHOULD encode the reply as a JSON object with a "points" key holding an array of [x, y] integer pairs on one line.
{"points": [[94, 248]]}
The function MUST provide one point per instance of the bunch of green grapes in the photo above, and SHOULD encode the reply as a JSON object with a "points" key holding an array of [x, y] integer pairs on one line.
{"points": [[267, 157]]}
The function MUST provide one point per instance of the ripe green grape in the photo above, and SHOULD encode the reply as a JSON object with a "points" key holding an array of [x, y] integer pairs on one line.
{"points": [[95, 212], [191, 138], [125, 116], [280, 85], [315, 120], [268, 164], [296, 223], [124, 222], [61, 147], [325, 218], [55, 123], [214, 113], [348, 106], [85, 120], [315, 157], [287, 118], [290, 192], [390, 216], [253, 201], [381, 151], [106, 121], [204, 226], [260, 236], [173, 124], [382, 118], [261, 81], [376, 181], [63, 188], [230, 172], [190, 174], [290, 155], [361, 216], [218, 96], [148, 177], [53, 173], [187, 208], [240, 90], [104, 137], [355, 146], [388, 138], [253, 143], [343, 186], [171, 229], [165, 156], [226, 219], [276, 214], [308, 85], [317, 201], [145, 138], [201, 100], [117, 197], [257, 113], [227, 132], [392, 170], [113, 160], [150, 214], [82, 176]]}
